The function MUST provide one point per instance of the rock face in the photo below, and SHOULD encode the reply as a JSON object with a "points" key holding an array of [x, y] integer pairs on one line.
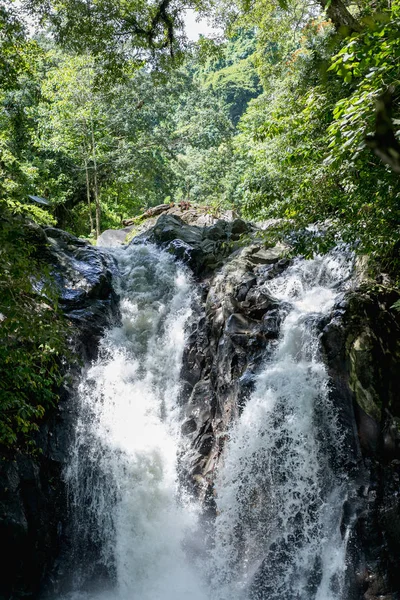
{"points": [[203, 249], [236, 325], [362, 346], [33, 506], [83, 275]]}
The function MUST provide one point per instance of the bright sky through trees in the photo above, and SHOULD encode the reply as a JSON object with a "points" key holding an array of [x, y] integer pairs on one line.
{"points": [[195, 28]]}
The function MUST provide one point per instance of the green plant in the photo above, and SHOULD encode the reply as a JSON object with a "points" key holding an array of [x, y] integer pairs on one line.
{"points": [[33, 334]]}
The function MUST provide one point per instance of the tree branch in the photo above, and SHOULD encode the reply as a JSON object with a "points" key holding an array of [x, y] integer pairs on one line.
{"points": [[339, 14]]}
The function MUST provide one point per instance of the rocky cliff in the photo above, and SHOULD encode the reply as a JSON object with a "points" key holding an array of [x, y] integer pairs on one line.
{"points": [[33, 503], [236, 326], [362, 348]]}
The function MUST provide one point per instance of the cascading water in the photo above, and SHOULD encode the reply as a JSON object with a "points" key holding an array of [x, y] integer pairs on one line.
{"points": [[278, 492], [279, 495], [122, 474]]}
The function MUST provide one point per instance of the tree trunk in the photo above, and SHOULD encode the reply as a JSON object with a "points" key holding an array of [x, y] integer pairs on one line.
{"points": [[88, 196], [339, 14], [95, 182]]}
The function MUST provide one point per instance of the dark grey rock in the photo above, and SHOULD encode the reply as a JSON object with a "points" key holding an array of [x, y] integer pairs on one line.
{"points": [[238, 226], [220, 230], [362, 348], [240, 324], [83, 275], [189, 427], [33, 503], [203, 249]]}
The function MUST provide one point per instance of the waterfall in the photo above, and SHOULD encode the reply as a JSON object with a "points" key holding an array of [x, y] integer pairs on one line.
{"points": [[122, 474], [279, 493], [279, 488]]}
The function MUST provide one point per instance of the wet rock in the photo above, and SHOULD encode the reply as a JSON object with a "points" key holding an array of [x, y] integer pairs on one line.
{"points": [[246, 385], [206, 444], [258, 303], [189, 427], [362, 343], [362, 346], [244, 287], [83, 276], [33, 503], [240, 324], [239, 321], [271, 323], [32, 509], [201, 402], [368, 432]]}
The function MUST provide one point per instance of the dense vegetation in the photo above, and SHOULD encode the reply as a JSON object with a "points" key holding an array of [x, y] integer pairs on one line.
{"points": [[33, 333], [106, 110]]}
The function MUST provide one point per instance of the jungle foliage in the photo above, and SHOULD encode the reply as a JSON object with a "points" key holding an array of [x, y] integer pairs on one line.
{"points": [[33, 333], [106, 110]]}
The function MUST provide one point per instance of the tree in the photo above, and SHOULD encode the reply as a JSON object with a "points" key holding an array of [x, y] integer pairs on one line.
{"points": [[304, 141], [139, 30], [71, 120], [18, 92], [339, 14]]}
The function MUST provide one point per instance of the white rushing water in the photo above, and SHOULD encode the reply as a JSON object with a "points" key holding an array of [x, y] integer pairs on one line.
{"points": [[279, 496], [122, 476]]}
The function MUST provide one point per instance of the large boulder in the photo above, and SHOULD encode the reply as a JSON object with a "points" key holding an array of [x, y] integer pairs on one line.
{"points": [[83, 276], [361, 340], [203, 249], [237, 325]]}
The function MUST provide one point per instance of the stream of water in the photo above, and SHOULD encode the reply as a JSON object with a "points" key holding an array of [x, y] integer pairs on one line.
{"points": [[279, 492]]}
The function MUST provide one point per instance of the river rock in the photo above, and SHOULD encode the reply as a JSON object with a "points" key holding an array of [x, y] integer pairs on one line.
{"points": [[203, 249], [362, 347]]}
